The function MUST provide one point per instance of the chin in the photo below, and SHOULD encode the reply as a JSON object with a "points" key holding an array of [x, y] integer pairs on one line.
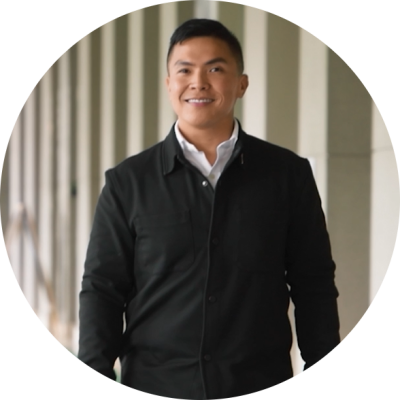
{"points": [[198, 123]]}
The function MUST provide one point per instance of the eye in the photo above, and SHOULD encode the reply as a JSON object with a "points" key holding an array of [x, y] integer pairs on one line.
{"points": [[183, 71], [215, 69]]}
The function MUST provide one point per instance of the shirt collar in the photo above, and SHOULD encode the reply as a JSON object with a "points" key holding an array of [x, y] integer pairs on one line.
{"points": [[172, 150], [190, 147]]}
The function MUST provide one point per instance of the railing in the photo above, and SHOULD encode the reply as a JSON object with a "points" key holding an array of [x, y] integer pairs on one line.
{"points": [[16, 383]]}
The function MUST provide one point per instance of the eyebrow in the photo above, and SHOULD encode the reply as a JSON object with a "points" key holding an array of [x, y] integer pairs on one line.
{"points": [[213, 61]]}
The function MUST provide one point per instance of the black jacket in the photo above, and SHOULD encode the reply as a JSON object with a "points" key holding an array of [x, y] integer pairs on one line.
{"points": [[204, 276]]}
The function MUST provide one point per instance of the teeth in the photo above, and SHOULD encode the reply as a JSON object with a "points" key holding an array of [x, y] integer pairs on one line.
{"points": [[200, 101]]}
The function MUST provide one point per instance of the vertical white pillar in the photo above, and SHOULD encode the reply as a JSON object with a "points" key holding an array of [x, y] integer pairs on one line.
{"points": [[14, 263], [29, 182], [312, 128], [385, 213], [107, 115], [168, 23], [312, 114], [63, 219], [135, 83], [200, 9], [83, 182], [46, 198], [213, 9], [45, 172], [384, 268], [255, 60]]}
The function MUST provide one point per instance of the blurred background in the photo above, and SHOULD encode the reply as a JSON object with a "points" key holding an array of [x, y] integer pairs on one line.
{"points": [[105, 100]]}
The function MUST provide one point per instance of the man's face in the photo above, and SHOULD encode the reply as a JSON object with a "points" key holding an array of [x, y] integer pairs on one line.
{"points": [[203, 83]]}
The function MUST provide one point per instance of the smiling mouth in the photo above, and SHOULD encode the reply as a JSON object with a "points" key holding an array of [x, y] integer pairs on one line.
{"points": [[199, 100]]}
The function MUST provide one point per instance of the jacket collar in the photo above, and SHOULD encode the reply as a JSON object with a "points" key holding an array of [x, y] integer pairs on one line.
{"points": [[172, 151]]}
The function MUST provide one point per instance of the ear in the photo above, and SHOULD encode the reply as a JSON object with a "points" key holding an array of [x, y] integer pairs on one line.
{"points": [[167, 82], [243, 84]]}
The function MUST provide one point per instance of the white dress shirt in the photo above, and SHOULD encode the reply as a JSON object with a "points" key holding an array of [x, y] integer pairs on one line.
{"points": [[199, 160]]}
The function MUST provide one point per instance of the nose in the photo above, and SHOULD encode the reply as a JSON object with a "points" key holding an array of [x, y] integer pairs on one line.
{"points": [[199, 81]]}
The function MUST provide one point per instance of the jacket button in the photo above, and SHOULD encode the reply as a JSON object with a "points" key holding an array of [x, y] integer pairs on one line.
{"points": [[212, 299], [207, 357], [215, 241], [204, 183]]}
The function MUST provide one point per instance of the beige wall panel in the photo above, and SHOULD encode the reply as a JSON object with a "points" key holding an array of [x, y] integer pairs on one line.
{"points": [[4, 191], [380, 136]]}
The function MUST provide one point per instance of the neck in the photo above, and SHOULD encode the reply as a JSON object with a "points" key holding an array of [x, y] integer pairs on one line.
{"points": [[207, 139]]}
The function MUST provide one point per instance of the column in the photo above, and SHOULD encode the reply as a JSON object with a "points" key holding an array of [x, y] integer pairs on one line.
{"points": [[135, 84], [107, 100], [121, 90], [312, 107], [232, 16], [384, 254], [282, 76], [151, 60], [349, 188], [255, 60], [168, 23], [45, 188], [63, 289], [74, 141], [29, 156], [83, 120]]}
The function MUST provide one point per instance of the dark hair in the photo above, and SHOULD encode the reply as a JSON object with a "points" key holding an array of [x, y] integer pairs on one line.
{"points": [[198, 27]]}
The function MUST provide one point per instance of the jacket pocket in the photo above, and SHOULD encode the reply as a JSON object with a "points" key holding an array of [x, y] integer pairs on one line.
{"points": [[164, 242]]}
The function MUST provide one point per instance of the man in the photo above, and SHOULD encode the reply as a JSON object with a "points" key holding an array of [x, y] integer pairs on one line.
{"points": [[201, 240]]}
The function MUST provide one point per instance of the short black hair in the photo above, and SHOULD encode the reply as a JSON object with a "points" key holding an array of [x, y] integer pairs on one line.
{"points": [[200, 27]]}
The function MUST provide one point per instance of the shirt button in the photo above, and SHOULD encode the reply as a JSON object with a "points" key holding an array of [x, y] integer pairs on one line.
{"points": [[215, 241], [204, 183], [207, 357], [211, 176], [212, 299]]}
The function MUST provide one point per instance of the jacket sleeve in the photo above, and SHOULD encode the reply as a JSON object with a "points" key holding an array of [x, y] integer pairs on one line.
{"points": [[311, 272], [107, 282]]}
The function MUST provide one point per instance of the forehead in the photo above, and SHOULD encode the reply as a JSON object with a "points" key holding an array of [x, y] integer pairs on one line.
{"points": [[201, 48]]}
